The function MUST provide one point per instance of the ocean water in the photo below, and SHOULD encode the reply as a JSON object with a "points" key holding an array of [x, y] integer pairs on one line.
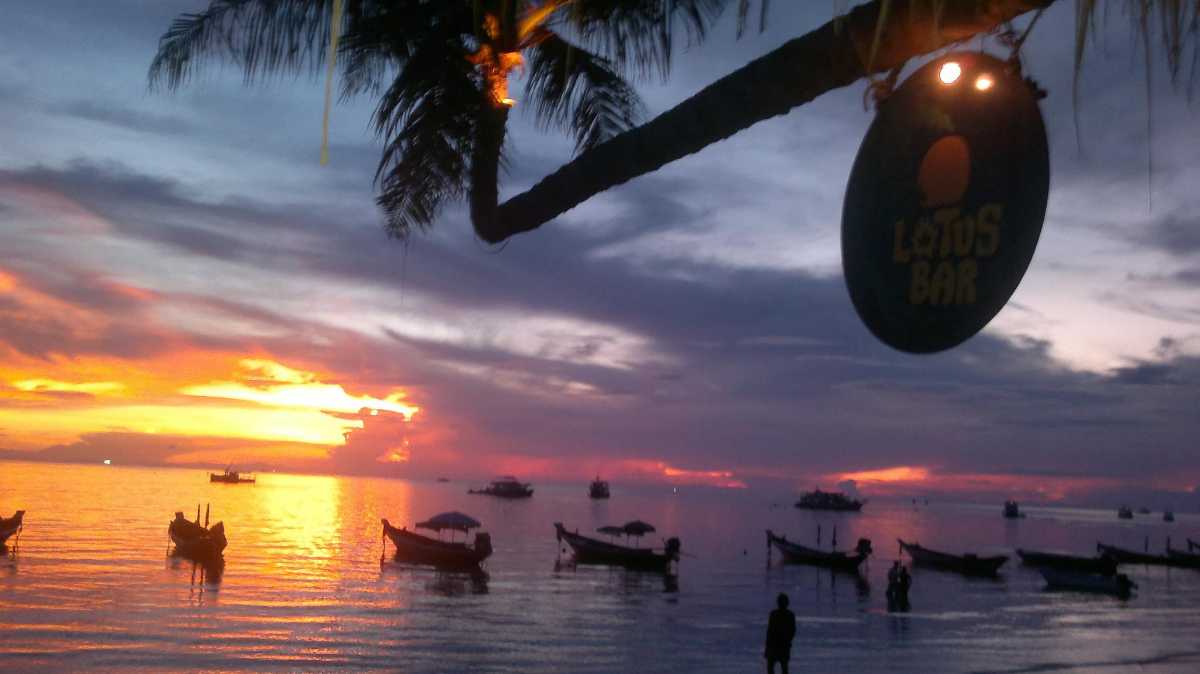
{"points": [[303, 589]]}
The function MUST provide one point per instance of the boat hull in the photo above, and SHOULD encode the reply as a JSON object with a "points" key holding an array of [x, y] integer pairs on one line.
{"points": [[195, 542], [1184, 559], [1118, 584], [229, 479], [9, 526], [1123, 556], [968, 565], [794, 553], [1102, 565], [417, 549], [592, 551]]}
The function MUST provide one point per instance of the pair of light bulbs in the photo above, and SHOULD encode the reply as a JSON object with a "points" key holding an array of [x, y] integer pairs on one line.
{"points": [[951, 71]]}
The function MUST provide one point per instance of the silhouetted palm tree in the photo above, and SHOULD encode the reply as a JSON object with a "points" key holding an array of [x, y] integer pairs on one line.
{"points": [[440, 69]]}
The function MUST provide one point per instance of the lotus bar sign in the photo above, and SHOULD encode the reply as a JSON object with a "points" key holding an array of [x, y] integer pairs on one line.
{"points": [[945, 202]]}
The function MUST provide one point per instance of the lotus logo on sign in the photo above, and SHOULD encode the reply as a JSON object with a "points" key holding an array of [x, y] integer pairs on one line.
{"points": [[945, 202]]}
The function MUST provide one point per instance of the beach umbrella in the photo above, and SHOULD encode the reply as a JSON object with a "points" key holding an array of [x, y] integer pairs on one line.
{"points": [[637, 528], [454, 521], [611, 530]]}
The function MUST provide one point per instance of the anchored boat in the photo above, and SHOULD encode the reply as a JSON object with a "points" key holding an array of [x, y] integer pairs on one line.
{"points": [[1116, 584], [794, 553], [598, 488], [10, 526], [505, 486], [196, 542], [1101, 564], [230, 477], [415, 548], [969, 564], [1123, 556], [825, 500], [593, 551]]}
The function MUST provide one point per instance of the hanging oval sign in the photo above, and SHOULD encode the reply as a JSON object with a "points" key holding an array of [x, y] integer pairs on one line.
{"points": [[945, 202]]}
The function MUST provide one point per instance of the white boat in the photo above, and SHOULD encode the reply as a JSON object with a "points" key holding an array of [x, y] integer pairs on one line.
{"points": [[1118, 584]]}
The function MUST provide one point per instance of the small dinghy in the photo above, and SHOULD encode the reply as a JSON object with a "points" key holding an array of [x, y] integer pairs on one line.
{"points": [[1117, 584]]}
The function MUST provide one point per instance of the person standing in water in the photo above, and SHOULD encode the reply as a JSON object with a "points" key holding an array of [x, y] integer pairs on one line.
{"points": [[781, 629]]}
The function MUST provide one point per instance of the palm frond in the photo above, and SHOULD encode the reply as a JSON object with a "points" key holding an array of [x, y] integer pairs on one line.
{"points": [[638, 36], [580, 92], [427, 118]]}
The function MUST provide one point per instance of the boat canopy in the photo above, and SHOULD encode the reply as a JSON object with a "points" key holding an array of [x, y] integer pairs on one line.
{"points": [[454, 521], [612, 531], [637, 528]]}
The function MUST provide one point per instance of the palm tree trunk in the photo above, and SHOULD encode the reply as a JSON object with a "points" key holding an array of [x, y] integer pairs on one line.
{"points": [[833, 56], [485, 166]]}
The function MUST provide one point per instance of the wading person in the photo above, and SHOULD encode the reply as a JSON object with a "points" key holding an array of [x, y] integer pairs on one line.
{"points": [[781, 628]]}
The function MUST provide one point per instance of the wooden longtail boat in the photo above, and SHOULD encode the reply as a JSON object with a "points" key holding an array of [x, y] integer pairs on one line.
{"points": [[794, 553], [1116, 584], [9, 526], [193, 541], [1185, 559], [417, 549], [1102, 564], [592, 551], [969, 564], [1124, 556]]}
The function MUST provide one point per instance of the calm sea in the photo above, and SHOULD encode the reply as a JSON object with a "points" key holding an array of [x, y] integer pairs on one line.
{"points": [[303, 588]]}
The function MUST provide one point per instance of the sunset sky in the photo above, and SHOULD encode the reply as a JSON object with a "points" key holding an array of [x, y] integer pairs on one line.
{"points": [[182, 283]]}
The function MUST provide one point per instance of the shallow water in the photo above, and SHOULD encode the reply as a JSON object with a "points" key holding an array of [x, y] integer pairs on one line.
{"points": [[303, 588]]}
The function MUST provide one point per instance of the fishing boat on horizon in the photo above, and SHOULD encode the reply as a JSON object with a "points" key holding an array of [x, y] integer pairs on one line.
{"points": [[417, 549], [827, 500], [1125, 513], [1168, 516], [1117, 584], [199, 543], [794, 553], [10, 526], [505, 486], [968, 564], [230, 477], [1012, 511], [598, 489], [1101, 564], [593, 551]]}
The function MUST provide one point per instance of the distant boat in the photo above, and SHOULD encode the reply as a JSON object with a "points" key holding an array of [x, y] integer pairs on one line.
{"points": [[1143, 510], [1116, 584], [443, 479], [824, 500], [10, 526], [1168, 516], [1125, 513], [196, 542], [230, 477], [794, 553], [418, 549], [1101, 564], [969, 564], [505, 486], [1011, 510], [598, 488], [593, 551]]}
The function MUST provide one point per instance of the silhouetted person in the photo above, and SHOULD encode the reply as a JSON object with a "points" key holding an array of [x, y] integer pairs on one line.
{"points": [[898, 584], [781, 629]]}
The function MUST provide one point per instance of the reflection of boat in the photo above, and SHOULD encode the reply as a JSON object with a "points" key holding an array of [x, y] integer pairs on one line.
{"points": [[230, 477], [795, 553], [194, 541], [1181, 558], [10, 526], [1102, 564], [969, 564], [1116, 584], [825, 500], [505, 486], [1123, 556], [1011, 510], [598, 488], [1125, 513], [592, 551], [418, 549]]}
